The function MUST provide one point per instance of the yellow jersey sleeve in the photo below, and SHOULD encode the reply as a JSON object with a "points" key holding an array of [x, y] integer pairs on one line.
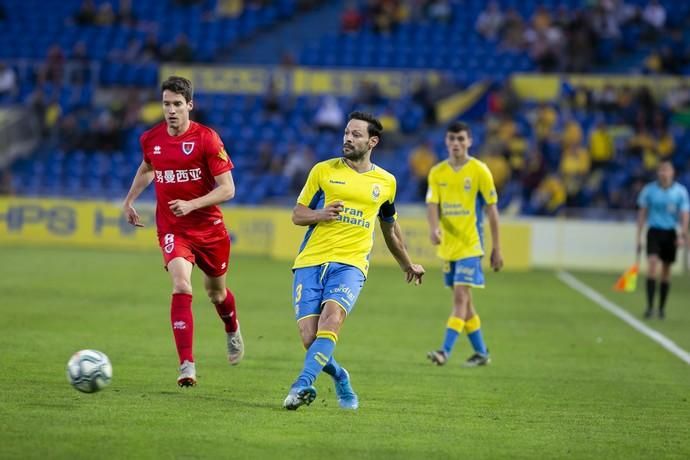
{"points": [[432, 193], [394, 190], [312, 187], [387, 212], [486, 185]]}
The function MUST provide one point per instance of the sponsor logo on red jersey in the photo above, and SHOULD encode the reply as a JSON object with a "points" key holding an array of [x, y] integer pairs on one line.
{"points": [[176, 176]]}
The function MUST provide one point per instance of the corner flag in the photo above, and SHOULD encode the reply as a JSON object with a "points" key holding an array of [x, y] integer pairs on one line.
{"points": [[628, 280]]}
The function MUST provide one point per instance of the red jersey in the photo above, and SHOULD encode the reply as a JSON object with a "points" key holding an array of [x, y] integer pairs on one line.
{"points": [[184, 168]]}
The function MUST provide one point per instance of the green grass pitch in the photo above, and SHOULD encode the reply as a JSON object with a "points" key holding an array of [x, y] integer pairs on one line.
{"points": [[568, 379]]}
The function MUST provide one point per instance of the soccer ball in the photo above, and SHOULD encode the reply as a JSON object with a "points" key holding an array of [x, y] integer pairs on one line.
{"points": [[89, 371]]}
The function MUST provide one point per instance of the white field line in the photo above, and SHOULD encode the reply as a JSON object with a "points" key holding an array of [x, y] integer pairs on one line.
{"points": [[616, 310]]}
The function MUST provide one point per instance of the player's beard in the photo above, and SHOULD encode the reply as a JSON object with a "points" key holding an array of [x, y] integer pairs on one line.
{"points": [[352, 153]]}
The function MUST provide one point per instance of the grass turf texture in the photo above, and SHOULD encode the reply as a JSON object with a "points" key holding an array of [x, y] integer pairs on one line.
{"points": [[567, 380]]}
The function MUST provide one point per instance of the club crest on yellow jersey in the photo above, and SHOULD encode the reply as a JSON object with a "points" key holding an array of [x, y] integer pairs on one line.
{"points": [[468, 184], [375, 192]]}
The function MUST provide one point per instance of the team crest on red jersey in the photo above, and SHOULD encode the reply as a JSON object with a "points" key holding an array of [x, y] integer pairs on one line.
{"points": [[187, 147]]}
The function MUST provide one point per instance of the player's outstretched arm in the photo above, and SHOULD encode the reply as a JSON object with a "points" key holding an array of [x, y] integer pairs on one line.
{"points": [[394, 240], [142, 179], [496, 256], [224, 191], [303, 215]]}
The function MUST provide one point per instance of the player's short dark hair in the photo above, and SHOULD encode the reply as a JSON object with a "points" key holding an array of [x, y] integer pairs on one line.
{"points": [[458, 126], [374, 126], [179, 85]]}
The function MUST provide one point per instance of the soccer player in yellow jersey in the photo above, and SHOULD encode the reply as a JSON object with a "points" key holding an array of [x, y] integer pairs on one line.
{"points": [[459, 189], [340, 203]]}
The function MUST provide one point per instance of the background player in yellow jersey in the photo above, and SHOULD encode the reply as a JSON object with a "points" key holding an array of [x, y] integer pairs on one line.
{"points": [[459, 189], [340, 203]]}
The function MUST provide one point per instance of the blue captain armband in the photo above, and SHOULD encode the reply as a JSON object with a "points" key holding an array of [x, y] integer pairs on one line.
{"points": [[387, 212]]}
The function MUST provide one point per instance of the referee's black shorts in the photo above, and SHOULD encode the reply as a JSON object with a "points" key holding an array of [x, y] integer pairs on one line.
{"points": [[662, 243]]}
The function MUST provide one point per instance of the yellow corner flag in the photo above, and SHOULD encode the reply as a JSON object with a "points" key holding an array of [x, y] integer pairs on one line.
{"points": [[628, 280]]}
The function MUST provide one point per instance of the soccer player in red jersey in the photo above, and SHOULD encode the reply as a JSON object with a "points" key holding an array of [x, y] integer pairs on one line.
{"points": [[192, 174]]}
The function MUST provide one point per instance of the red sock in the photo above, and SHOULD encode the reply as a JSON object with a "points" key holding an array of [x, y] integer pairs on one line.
{"points": [[183, 325], [227, 312]]}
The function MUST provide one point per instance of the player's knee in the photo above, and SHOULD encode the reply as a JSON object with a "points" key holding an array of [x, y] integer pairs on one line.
{"points": [[461, 299], [216, 295], [308, 336], [308, 340], [182, 286], [332, 322], [307, 330]]}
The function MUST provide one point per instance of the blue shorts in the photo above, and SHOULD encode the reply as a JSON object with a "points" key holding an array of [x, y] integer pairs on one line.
{"points": [[313, 286], [466, 272]]}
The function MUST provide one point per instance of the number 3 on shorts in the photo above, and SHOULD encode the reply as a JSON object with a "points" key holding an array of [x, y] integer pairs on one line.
{"points": [[298, 293]]}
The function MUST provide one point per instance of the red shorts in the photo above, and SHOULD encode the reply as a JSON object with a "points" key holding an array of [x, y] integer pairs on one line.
{"points": [[210, 252]]}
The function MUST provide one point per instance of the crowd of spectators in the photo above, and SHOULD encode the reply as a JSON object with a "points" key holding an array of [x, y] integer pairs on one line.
{"points": [[383, 16], [576, 40], [591, 149], [556, 39], [578, 152], [588, 150]]}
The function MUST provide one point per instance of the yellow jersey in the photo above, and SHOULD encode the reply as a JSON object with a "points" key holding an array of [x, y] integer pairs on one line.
{"points": [[349, 239], [461, 196]]}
